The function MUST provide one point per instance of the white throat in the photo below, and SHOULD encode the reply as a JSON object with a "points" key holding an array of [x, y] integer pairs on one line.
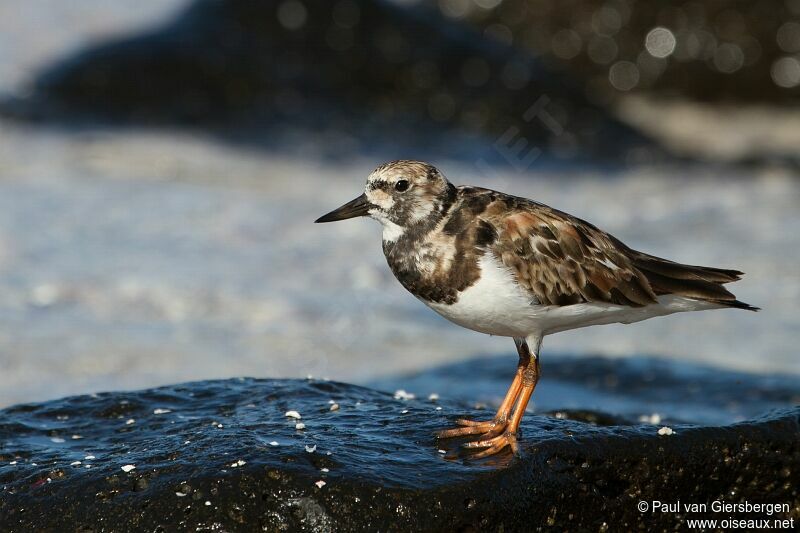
{"points": [[391, 231]]}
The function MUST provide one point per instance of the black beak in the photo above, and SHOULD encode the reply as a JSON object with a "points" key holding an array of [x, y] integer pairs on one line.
{"points": [[358, 207]]}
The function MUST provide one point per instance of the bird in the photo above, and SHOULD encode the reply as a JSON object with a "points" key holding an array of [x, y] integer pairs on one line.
{"points": [[508, 266]]}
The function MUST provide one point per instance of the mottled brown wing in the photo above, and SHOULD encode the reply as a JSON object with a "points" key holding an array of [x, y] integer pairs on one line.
{"points": [[563, 260]]}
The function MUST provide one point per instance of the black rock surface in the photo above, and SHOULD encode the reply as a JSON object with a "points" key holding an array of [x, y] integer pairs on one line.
{"points": [[222, 455], [353, 73]]}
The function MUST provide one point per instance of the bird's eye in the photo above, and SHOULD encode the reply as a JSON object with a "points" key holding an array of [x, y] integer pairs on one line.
{"points": [[401, 185]]}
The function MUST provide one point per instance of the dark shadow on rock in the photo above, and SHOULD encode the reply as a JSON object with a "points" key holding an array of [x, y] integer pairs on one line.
{"points": [[223, 455], [347, 75], [629, 388]]}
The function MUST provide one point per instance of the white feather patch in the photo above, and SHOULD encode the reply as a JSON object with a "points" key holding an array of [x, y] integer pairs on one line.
{"points": [[498, 305], [391, 231]]}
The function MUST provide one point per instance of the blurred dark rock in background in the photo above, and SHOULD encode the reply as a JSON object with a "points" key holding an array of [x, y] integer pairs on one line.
{"points": [[713, 50], [364, 70], [508, 80]]}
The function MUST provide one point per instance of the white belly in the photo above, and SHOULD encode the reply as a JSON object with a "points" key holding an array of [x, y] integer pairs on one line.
{"points": [[497, 305]]}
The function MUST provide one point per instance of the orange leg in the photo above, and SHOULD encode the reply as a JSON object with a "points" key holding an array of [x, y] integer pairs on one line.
{"points": [[502, 428], [495, 444]]}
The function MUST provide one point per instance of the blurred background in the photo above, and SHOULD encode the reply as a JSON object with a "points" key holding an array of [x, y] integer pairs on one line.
{"points": [[161, 163]]}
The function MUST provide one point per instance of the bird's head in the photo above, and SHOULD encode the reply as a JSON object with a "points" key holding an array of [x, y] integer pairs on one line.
{"points": [[399, 195]]}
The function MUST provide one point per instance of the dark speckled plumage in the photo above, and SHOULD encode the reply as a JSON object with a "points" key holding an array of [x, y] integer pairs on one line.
{"points": [[558, 258]]}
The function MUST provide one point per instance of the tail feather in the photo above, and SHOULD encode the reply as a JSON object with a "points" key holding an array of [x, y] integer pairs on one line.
{"points": [[698, 282], [671, 269], [740, 305]]}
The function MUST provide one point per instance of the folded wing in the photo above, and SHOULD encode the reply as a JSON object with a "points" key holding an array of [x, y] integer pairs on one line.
{"points": [[564, 260]]}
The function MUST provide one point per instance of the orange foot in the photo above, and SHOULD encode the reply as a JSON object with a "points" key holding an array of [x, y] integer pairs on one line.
{"points": [[494, 435], [466, 427], [494, 445], [500, 433]]}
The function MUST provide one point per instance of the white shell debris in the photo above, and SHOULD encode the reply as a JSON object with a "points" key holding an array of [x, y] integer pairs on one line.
{"points": [[128, 468], [89, 457], [292, 414], [129, 421], [324, 470], [400, 394], [666, 431], [442, 452], [438, 408], [208, 503], [311, 449], [320, 484], [75, 463], [161, 411], [433, 396], [404, 411], [57, 440], [299, 425], [76, 437], [12, 463], [238, 463], [335, 407], [180, 494], [274, 443]]}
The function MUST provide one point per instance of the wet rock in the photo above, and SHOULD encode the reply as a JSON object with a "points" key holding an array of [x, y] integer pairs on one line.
{"points": [[351, 72], [222, 455]]}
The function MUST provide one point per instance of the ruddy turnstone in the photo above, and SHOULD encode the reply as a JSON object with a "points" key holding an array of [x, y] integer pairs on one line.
{"points": [[509, 266]]}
